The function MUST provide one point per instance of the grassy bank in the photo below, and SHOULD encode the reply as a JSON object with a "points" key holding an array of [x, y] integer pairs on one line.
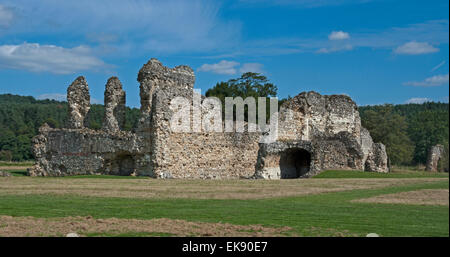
{"points": [[325, 214]]}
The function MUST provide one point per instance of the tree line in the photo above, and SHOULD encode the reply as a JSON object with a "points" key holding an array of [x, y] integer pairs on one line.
{"points": [[21, 117], [407, 130]]}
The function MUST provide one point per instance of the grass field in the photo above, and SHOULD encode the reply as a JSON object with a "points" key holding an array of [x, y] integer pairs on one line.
{"points": [[335, 203]]}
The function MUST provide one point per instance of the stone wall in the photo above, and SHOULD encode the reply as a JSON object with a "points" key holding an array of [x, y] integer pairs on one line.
{"points": [[325, 133], [193, 154], [154, 149], [309, 115], [315, 133], [62, 152], [434, 156], [77, 150]]}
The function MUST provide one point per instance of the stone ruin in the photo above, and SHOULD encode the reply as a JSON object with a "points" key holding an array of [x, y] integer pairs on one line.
{"points": [[318, 133], [315, 133], [435, 154]]}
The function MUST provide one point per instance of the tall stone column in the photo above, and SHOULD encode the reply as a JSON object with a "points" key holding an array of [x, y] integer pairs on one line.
{"points": [[114, 119], [153, 77], [79, 103], [434, 156]]}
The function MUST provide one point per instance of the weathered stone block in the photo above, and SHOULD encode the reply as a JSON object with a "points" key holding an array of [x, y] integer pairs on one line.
{"points": [[114, 119], [434, 156], [79, 103]]}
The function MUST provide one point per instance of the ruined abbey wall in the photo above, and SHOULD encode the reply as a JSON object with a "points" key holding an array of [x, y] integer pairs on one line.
{"points": [[189, 154], [324, 131], [315, 133]]}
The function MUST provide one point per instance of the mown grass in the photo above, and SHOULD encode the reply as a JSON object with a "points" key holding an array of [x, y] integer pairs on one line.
{"points": [[17, 173], [365, 174], [312, 215], [12, 164], [129, 234], [22, 173], [323, 174]]}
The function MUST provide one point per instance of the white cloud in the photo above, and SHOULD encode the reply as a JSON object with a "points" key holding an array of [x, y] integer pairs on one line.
{"points": [[6, 16], [96, 101], [437, 80], [435, 31], [438, 66], [338, 35], [332, 49], [231, 67], [131, 26], [252, 67], [53, 96], [305, 3], [223, 67], [415, 48], [417, 100], [48, 58], [63, 97]]}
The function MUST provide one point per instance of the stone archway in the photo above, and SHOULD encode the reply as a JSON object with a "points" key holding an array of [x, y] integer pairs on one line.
{"points": [[120, 164], [295, 163]]}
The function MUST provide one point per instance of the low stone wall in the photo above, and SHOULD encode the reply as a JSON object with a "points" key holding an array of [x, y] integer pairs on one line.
{"points": [[62, 152], [207, 155]]}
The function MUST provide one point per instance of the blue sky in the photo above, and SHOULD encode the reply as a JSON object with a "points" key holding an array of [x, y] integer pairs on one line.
{"points": [[376, 51]]}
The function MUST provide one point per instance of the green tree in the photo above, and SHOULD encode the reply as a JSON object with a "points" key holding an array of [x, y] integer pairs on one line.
{"points": [[5, 156], [21, 117], [390, 128], [248, 85], [428, 128]]}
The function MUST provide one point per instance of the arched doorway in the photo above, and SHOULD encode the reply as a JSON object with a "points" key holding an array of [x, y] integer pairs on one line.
{"points": [[121, 164], [295, 163]]}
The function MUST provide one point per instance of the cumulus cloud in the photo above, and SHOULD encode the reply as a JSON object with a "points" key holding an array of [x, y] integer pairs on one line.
{"points": [[134, 25], [48, 58], [63, 97], [6, 16], [415, 48], [53, 96], [252, 67], [418, 100], [231, 67], [332, 49], [437, 80], [223, 67], [305, 3], [338, 35]]}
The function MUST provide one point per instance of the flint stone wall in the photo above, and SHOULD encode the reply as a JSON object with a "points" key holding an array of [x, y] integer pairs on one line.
{"points": [[186, 154], [62, 152], [115, 99], [78, 98], [315, 133], [434, 156], [328, 130]]}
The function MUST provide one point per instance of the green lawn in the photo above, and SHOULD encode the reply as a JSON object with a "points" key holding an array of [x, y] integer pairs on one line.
{"points": [[365, 174], [312, 215], [324, 174], [13, 164]]}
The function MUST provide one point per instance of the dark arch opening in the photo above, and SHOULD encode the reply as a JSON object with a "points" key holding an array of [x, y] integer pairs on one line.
{"points": [[295, 163], [121, 164]]}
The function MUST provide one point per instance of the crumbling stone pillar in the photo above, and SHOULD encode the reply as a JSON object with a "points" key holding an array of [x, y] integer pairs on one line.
{"points": [[377, 160], [153, 76], [434, 155], [114, 119], [79, 103]]}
